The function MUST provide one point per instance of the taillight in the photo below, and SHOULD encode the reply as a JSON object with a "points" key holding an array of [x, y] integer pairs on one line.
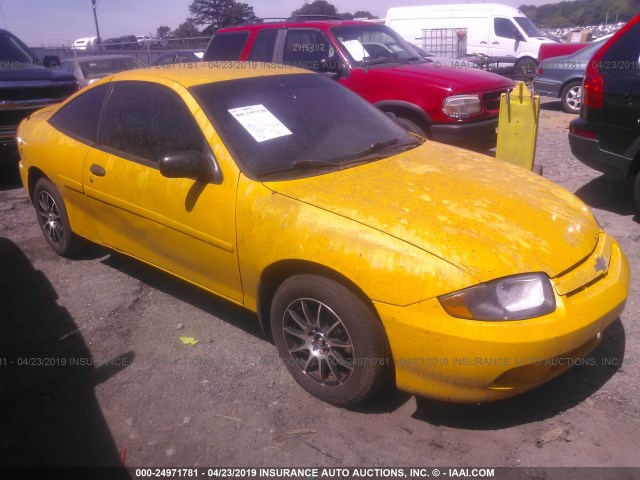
{"points": [[592, 86], [540, 70]]}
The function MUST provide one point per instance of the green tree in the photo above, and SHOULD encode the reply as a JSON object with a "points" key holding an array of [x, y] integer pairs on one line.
{"points": [[220, 13], [364, 14], [163, 31], [186, 29], [317, 7]]}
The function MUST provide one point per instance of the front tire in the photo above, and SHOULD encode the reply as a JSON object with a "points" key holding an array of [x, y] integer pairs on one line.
{"points": [[330, 340], [571, 97], [53, 218], [410, 126]]}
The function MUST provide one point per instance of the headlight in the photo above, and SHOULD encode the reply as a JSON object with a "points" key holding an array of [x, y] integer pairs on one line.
{"points": [[510, 298], [461, 106]]}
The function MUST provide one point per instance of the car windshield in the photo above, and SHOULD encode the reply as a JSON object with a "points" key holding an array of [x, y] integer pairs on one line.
{"points": [[370, 44], [12, 50], [529, 28], [298, 125], [105, 66]]}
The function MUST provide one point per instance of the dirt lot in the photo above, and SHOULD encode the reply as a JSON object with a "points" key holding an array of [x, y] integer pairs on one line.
{"points": [[228, 402]]}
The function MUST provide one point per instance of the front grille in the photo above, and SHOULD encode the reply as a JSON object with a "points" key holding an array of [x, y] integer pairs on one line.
{"points": [[491, 101]]}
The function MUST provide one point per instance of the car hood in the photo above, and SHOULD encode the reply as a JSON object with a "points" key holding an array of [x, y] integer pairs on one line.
{"points": [[487, 217], [460, 80]]}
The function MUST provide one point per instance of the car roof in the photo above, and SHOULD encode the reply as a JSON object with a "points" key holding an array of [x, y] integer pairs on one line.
{"points": [[319, 24], [200, 73]]}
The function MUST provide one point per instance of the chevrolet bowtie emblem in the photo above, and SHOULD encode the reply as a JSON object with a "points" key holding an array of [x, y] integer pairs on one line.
{"points": [[601, 264]]}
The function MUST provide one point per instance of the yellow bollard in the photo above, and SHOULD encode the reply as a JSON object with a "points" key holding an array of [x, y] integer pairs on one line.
{"points": [[518, 127]]}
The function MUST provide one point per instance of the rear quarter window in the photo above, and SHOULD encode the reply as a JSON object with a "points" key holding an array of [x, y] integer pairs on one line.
{"points": [[226, 46], [79, 118]]}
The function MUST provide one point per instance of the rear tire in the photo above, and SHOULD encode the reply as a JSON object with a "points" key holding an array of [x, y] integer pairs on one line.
{"points": [[636, 191], [571, 97], [526, 66], [332, 343], [53, 219]]}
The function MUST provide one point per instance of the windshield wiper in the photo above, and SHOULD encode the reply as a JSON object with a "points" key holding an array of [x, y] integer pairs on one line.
{"points": [[380, 146], [299, 165]]}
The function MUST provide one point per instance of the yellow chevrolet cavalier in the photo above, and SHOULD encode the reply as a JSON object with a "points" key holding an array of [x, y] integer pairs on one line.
{"points": [[371, 255]]}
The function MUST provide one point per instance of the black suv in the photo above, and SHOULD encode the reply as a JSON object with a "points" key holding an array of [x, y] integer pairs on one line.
{"points": [[26, 84], [606, 136]]}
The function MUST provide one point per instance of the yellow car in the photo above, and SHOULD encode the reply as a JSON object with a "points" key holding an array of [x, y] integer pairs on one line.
{"points": [[369, 254]]}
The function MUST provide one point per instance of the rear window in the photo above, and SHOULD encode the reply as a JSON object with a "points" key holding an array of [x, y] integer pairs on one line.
{"points": [[226, 46], [263, 47]]}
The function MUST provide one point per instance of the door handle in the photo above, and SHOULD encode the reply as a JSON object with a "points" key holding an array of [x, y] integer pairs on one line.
{"points": [[97, 170], [495, 43], [483, 43]]}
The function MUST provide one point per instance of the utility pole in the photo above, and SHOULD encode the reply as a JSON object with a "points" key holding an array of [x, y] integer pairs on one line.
{"points": [[95, 17]]}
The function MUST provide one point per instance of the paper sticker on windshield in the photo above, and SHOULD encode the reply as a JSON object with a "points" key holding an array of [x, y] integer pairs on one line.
{"points": [[260, 122], [356, 49]]}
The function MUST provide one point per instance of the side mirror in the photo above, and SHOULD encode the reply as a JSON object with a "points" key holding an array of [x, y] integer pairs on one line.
{"points": [[51, 61], [186, 164], [334, 68]]}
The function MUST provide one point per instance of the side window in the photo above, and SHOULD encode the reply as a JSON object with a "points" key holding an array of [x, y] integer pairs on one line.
{"points": [[79, 118], [168, 60], [226, 46], [307, 49], [148, 121], [505, 28], [262, 50]]}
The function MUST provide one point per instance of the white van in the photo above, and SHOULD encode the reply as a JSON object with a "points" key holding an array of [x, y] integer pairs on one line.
{"points": [[503, 33], [85, 43]]}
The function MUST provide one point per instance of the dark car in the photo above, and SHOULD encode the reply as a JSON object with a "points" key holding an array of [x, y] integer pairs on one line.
{"points": [[561, 77], [125, 42], [458, 107], [178, 56], [606, 136], [26, 84]]}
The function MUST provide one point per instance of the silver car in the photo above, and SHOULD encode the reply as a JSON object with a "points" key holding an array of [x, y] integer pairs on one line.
{"points": [[561, 77], [90, 69]]}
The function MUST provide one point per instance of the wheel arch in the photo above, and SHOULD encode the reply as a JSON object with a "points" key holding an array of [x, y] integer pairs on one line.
{"points": [[276, 273], [571, 80], [34, 175], [406, 110]]}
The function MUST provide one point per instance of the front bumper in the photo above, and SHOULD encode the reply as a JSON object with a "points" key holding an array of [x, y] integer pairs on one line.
{"points": [[479, 135], [447, 358]]}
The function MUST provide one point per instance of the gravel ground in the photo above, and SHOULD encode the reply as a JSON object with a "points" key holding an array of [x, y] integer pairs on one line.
{"points": [[228, 402]]}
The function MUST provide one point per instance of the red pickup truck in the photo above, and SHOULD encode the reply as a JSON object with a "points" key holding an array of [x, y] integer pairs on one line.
{"points": [[550, 50], [458, 106]]}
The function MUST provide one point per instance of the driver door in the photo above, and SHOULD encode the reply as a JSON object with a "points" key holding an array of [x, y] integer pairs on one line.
{"points": [[181, 225]]}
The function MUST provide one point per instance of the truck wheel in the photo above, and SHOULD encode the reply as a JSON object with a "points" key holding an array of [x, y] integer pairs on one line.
{"points": [[53, 219], [410, 126], [332, 343], [636, 191], [526, 66], [571, 97]]}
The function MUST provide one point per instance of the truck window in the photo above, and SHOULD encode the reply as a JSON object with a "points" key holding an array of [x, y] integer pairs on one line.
{"points": [[505, 28], [11, 50], [306, 49], [262, 50], [226, 46]]}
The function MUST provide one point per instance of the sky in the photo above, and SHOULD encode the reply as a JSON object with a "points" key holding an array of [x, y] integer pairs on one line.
{"points": [[57, 22]]}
